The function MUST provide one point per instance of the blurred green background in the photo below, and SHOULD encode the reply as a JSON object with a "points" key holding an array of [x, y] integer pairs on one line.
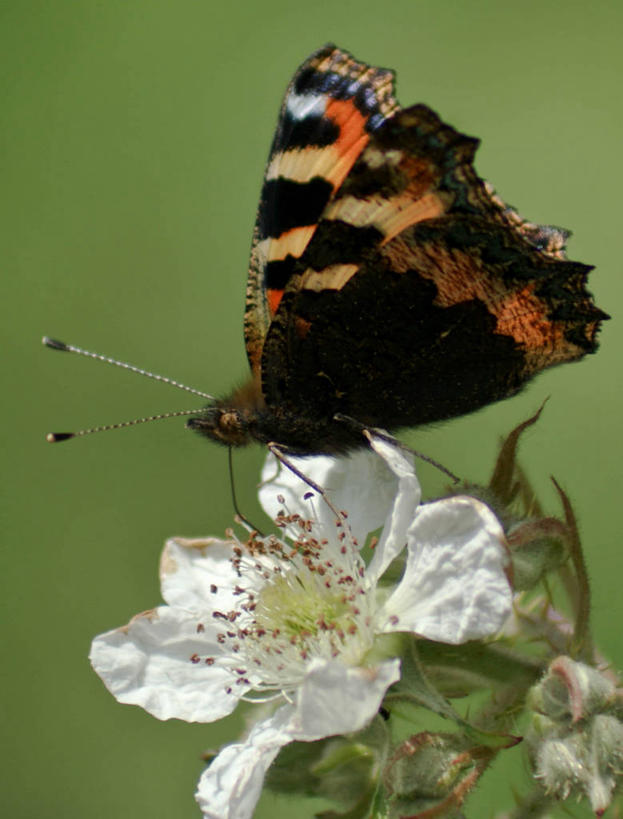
{"points": [[133, 142]]}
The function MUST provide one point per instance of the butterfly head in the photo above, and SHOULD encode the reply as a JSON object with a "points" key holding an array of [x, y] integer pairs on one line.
{"points": [[226, 425]]}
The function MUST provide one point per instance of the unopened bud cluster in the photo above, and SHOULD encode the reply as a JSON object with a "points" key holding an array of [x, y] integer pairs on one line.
{"points": [[576, 736]]}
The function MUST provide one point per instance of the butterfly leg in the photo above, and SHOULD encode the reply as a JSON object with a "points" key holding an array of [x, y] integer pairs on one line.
{"points": [[368, 431], [277, 451]]}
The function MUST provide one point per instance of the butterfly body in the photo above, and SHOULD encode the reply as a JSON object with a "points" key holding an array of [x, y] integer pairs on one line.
{"points": [[388, 284]]}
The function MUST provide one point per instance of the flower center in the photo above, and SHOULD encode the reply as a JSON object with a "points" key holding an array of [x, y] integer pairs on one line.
{"points": [[301, 608], [298, 603]]}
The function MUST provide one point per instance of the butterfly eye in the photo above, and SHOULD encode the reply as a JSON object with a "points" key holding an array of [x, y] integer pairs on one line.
{"points": [[227, 426]]}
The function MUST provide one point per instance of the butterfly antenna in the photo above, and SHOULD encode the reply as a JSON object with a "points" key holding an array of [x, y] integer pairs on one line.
{"points": [[54, 344], [56, 437]]}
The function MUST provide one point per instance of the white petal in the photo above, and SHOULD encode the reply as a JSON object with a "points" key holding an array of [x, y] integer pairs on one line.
{"points": [[333, 699], [198, 575], [231, 786], [148, 663], [454, 587], [359, 483], [277, 479], [402, 512], [338, 699]]}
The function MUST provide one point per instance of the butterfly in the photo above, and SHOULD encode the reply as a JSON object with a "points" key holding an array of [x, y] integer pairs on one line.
{"points": [[388, 285]]}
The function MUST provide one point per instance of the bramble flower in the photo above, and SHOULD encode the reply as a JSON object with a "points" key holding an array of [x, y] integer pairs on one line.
{"points": [[297, 621]]}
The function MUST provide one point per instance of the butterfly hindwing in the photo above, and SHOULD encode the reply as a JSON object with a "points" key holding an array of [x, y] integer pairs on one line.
{"points": [[416, 352]]}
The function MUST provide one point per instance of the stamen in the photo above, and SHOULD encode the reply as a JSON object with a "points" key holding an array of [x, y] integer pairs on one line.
{"points": [[295, 602]]}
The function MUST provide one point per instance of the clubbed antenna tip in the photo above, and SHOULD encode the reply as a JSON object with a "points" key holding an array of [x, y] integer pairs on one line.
{"points": [[56, 437], [55, 344]]}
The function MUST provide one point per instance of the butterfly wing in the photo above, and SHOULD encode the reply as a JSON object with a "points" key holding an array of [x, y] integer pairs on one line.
{"points": [[331, 107], [421, 295]]}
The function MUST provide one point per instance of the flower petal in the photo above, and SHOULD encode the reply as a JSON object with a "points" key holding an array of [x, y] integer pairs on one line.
{"points": [[230, 787], [158, 661], [339, 699], [454, 587], [400, 516], [198, 575], [359, 483], [333, 699]]}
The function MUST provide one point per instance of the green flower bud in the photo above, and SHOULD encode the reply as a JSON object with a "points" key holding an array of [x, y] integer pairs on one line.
{"points": [[576, 745], [571, 691], [433, 771], [534, 558], [560, 766]]}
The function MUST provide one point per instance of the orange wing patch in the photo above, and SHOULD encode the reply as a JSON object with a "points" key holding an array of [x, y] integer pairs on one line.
{"points": [[351, 141], [460, 276], [274, 297]]}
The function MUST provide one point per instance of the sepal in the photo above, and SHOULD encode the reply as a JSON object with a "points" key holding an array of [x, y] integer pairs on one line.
{"points": [[343, 769]]}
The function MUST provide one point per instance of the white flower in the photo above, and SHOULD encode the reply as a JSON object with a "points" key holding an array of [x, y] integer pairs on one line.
{"points": [[295, 621]]}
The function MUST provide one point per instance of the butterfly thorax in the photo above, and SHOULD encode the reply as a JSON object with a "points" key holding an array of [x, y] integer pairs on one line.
{"points": [[244, 418]]}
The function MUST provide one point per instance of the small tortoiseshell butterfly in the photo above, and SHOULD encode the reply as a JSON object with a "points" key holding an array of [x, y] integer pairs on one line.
{"points": [[387, 282]]}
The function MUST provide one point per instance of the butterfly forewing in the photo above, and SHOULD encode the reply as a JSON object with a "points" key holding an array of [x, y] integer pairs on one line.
{"points": [[330, 108]]}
